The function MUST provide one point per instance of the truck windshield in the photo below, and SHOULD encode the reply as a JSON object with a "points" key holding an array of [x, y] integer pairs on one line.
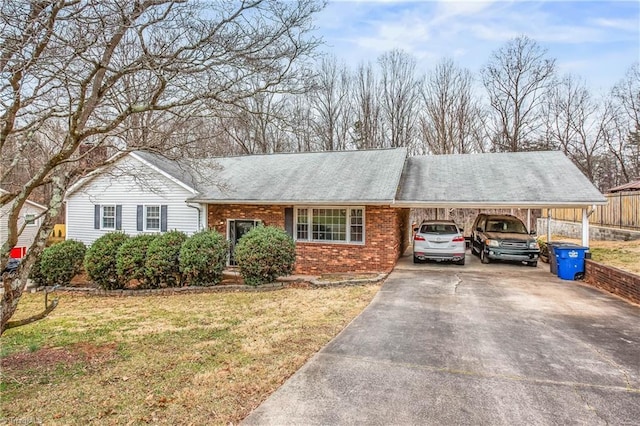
{"points": [[505, 225]]}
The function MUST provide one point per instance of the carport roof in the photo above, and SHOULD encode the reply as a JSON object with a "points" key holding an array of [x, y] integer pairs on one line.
{"points": [[495, 180]]}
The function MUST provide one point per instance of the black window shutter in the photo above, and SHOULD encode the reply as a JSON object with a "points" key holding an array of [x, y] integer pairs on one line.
{"points": [[288, 221], [139, 218], [96, 216], [163, 218], [119, 217]]}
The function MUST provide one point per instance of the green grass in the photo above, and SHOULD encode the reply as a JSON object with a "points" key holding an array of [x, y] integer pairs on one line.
{"points": [[187, 359]]}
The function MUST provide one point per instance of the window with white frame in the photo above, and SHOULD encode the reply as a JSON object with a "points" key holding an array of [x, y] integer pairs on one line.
{"points": [[29, 219], [330, 224], [108, 217], [152, 218]]}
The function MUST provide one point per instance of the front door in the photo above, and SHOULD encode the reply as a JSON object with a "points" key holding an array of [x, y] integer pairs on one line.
{"points": [[237, 228]]}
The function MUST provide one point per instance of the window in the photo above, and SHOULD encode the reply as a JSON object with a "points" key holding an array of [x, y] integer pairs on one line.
{"points": [[330, 224], [30, 219], [108, 217], [357, 225], [302, 226], [152, 218]]}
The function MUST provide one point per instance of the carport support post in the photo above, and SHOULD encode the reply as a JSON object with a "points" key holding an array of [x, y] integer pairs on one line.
{"points": [[529, 220], [585, 228], [548, 225]]}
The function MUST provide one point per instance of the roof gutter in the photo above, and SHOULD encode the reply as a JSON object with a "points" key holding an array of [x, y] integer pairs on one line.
{"points": [[499, 205], [296, 202]]}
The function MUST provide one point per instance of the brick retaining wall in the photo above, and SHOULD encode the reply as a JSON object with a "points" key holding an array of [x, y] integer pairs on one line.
{"points": [[613, 280]]}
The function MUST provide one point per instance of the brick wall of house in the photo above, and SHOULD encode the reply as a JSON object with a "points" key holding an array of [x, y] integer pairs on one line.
{"points": [[613, 280], [386, 237], [270, 215]]}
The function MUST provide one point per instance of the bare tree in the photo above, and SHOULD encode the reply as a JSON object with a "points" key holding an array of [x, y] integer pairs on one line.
{"points": [[92, 70], [517, 78], [331, 104], [400, 90], [452, 119], [622, 132], [301, 134], [258, 127], [367, 133], [575, 124]]}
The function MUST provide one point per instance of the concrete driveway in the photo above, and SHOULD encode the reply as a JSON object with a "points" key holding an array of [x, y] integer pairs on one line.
{"points": [[479, 344]]}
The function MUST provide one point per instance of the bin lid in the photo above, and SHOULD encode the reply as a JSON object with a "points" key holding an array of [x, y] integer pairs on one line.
{"points": [[563, 244], [574, 247]]}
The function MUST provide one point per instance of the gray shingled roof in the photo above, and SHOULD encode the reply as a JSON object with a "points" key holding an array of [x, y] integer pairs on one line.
{"points": [[524, 179], [182, 170], [319, 177]]}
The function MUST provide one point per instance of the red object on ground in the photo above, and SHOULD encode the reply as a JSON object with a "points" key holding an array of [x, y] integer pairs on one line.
{"points": [[18, 252]]}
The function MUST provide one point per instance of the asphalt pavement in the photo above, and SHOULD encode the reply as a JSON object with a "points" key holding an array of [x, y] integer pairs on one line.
{"points": [[497, 344]]}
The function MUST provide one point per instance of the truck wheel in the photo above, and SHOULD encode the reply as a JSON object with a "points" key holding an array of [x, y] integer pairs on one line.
{"points": [[533, 264], [483, 257]]}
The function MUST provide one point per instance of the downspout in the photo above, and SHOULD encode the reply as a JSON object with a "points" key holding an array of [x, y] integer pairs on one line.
{"points": [[199, 215], [548, 226], [586, 213]]}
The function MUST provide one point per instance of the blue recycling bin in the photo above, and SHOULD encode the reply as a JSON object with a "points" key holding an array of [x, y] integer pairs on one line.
{"points": [[570, 261], [553, 264]]}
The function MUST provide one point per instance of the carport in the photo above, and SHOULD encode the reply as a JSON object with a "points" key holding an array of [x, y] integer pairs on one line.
{"points": [[524, 180]]}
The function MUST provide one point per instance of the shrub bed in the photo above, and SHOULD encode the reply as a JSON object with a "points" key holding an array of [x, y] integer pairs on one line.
{"points": [[59, 263], [100, 260], [263, 254], [203, 257], [162, 267], [132, 257]]}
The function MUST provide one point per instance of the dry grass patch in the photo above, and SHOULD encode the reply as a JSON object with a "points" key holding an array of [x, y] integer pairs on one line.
{"points": [[183, 359]]}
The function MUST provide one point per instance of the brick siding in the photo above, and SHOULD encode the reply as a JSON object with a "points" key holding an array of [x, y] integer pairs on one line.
{"points": [[386, 237], [613, 280]]}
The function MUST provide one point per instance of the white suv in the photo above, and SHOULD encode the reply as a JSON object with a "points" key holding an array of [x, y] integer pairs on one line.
{"points": [[439, 240]]}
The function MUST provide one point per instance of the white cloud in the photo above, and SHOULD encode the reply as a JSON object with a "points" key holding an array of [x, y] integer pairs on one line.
{"points": [[576, 33], [619, 24]]}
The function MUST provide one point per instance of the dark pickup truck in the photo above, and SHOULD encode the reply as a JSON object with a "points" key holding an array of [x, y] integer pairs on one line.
{"points": [[503, 237]]}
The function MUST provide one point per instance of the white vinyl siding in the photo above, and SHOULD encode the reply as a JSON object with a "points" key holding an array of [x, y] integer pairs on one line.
{"points": [[29, 211], [141, 186], [330, 224]]}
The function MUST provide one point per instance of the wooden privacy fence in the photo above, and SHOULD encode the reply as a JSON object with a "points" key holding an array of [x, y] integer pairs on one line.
{"points": [[621, 211]]}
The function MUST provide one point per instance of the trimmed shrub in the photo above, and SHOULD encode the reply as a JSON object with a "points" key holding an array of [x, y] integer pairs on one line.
{"points": [[59, 263], [131, 258], [263, 254], [162, 266], [203, 257], [35, 274], [100, 260]]}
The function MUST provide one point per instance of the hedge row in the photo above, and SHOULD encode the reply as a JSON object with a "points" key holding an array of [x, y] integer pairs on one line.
{"points": [[170, 259]]}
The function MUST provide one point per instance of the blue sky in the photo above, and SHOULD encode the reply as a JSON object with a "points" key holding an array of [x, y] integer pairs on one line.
{"points": [[597, 40]]}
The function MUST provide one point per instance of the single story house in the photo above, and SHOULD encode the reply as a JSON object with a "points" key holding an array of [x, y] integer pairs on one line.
{"points": [[348, 211], [29, 218]]}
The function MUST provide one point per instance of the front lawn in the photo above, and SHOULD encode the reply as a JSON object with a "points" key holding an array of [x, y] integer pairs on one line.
{"points": [[183, 359]]}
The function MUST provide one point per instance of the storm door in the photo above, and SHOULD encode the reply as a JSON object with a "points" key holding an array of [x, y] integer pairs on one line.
{"points": [[236, 229]]}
